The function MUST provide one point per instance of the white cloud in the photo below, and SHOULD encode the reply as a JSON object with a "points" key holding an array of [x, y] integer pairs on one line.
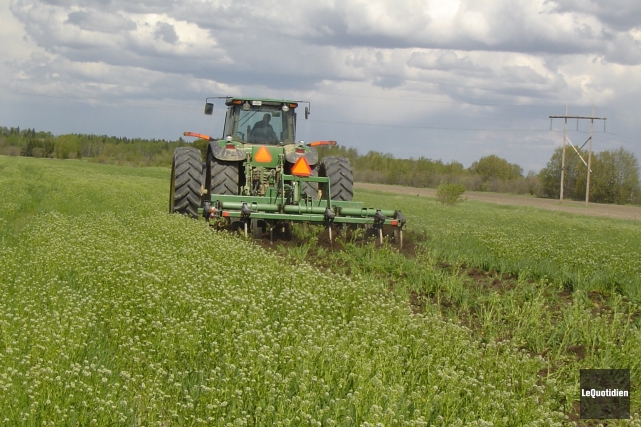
{"points": [[618, 14], [467, 61]]}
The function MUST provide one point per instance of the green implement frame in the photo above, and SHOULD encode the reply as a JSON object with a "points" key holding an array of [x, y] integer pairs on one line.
{"points": [[287, 205]]}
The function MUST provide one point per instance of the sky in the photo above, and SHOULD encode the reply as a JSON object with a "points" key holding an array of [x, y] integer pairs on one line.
{"points": [[450, 80]]}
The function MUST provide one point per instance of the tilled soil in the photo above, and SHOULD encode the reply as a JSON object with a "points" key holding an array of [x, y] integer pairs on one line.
{"points": [[341, 237]]}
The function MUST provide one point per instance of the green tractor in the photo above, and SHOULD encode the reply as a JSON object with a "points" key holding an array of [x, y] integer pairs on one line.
{"points": [[256, 177]]}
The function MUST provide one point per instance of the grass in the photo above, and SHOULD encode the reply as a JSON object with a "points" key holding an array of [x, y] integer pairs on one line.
{"points": [[114, 312], [576, 252], [543, 308]]}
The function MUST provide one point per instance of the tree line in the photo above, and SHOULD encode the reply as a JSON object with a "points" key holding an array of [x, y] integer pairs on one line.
{"points": [[98, 148], [489, 173], [614, 178]]}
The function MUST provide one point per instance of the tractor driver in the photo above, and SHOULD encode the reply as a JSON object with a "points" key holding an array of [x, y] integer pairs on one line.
{"points": [[263, 131]]}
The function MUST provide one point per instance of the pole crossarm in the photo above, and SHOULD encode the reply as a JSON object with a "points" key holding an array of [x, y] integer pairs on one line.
{"points": [[578, 117]]}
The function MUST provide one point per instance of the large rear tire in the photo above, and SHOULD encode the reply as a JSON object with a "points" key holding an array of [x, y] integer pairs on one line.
{"points": [[186, 176], [340, 176], [223, 176], [310, 188]]}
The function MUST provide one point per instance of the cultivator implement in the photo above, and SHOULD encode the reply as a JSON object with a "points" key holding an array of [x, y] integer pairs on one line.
{"points": [[266, 213], [258, 179]]}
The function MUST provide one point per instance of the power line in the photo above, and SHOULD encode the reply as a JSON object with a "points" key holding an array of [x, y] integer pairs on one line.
{"points": [[389, 98], [164, 107], [3, 55], [89, 64], [624, 137], [429, 127], [130, 103], [599, 134], [386, 98], [133, 103]]}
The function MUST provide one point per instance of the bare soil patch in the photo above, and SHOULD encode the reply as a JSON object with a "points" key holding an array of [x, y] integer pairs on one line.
{"points": [[593, 209]]}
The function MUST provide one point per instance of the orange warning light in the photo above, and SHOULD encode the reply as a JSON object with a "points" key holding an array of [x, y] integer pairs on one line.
{"points": [[263, 155], [301, 167], [198, 135], [317, 143]]}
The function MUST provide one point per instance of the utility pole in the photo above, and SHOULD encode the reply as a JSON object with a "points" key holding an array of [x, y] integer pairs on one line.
{"points": [[566, 139], [587, 184], [565, 131]]}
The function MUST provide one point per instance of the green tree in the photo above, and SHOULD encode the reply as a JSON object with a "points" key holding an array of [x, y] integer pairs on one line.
{"points": [[449, 193], [550, 175], [67, 146], [614, 177], [493, 167]]}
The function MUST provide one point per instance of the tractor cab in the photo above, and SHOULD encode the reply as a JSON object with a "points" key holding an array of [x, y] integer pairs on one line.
{"points": [[260, 121]]}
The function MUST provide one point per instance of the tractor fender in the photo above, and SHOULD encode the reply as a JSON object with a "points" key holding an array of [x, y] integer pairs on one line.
{"points": [[226, 154], [311, 156]]}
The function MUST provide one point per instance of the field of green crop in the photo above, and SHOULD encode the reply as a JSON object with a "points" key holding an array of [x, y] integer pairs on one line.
{"points": [[589, 253], [113, 312]]}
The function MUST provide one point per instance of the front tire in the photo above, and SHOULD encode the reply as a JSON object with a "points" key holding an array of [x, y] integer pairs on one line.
{"points": [[186, 176]]}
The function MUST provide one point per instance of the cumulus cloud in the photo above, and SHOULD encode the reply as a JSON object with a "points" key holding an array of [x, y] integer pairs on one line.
{"points": [[622, 15], [463, 55]]}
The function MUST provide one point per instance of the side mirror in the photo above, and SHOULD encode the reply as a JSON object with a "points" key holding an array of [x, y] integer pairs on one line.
{"points": [[209, 108], [306, 113]]}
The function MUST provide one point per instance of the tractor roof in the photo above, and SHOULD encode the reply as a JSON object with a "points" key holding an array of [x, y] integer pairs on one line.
{"points": [[230, 100]]}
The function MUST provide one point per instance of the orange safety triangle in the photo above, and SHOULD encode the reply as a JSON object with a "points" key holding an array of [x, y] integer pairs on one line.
{"points": [[301, 167], [263, 155]]}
